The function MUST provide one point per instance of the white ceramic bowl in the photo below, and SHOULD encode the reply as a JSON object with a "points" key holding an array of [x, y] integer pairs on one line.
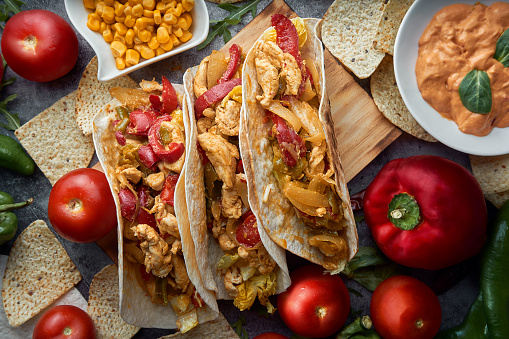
{"points": [[405, 57], [107, 69]]}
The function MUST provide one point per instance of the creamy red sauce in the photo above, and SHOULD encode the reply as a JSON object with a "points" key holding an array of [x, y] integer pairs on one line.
{"points": [[458, 39]]}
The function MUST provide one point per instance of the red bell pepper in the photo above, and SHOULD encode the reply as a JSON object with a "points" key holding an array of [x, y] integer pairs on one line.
{"points": [[240, 166], [168, 192], [171, 152], [127, 203], [156, 103], [214, 95], [233, 64], [143, 216], [140, 122], [148, 157], [203, 155], [288, 140], [426, 212], [169, 97], [120, 138]]}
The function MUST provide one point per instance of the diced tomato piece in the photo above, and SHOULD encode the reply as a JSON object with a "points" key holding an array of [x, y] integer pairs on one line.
{"points": [[140, 122], [233, 64], [169, 97], [214, 95], [155, 101], [127, 203], [168, 192], [120, 138], [148, 157], [143, 216], [240, 167], [247, 231], [171, 152]]}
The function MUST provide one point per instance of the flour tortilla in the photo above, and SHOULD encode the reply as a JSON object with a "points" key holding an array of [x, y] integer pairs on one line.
{"points": [[277, 214], [54, 141], [208, 252], [492, 173], [93, 94], [388, 99], [497, 199], [217, 329], [103, 304], [136, 307], [393, 14], [38, 272], [348, 31]]}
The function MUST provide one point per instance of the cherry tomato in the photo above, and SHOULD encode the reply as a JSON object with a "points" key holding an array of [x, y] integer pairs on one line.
{"points": [[64, 322], [81, 207], [247, 232], [39, 45], [316, 305], [404, 307], [270, 335]]}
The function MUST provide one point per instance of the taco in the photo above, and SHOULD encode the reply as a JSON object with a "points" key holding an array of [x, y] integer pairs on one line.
{"points": [[237, 259], [140, 141], [297, 180]]}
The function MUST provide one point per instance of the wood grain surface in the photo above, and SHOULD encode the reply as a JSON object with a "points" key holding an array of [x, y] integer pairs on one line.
{"points": [[362, 132]]}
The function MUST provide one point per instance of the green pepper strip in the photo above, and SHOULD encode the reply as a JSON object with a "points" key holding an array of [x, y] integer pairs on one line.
{"points": [[10, 207], [122, 112], [359, 328], [122, 126]]}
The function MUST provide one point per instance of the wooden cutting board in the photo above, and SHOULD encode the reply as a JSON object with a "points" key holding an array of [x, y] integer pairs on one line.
{"points": [[361, 130]]}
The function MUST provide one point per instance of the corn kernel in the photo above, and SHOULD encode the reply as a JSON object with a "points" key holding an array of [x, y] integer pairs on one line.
{"points": [[160, 51], [147, 52], [182, 23], [141, 23], [151, 29], [177, 11], [103, 27], [128, 10], [170, 19], [129, 21], [120, 28], [137, 47], [157, 17], [109, 2], [107, 35], [148, 14], [132, 57], [129, 36], [178, 32], [120, 18], [144, 35], [188, 18], [149, 4], [109, 22], [162, 35], [118, 37], [119, 8], [175, 40], [186, 36], [153, 43], [168, 46], [89, 4], [118, 49], [94, 22], [108, 14], [137, 10], [99, 8], [137, 41], [188, 5], [120, 63], [160, 6]]}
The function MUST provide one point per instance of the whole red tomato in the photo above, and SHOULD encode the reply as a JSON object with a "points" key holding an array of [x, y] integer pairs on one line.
{"points": [[270, 335], [315, 305], [81, 207], [64, 322], [403, 307], [39, 45], [426, 211], [1, 68]]}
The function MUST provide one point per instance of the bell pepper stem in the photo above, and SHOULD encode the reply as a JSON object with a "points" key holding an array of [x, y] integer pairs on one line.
{"points": [[404, 212], [10, 207]]}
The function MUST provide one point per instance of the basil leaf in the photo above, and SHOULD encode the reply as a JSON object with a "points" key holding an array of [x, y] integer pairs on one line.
{"points": [[502, 50], [475, 92]]}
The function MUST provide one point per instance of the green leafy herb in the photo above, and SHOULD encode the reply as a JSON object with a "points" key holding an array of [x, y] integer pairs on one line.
{"points": [[220, 27], [12, 118], [355, 292], [502, 49], [475, 92], [369, 268], [239, 329], [10, 6]]}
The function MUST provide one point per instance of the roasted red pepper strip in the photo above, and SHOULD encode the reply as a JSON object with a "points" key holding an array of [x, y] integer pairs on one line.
{"points": [[233, 64], [247, 231], [120, 138], [140, 122], [240, 167], [203, 155], [169, 97], [357, 200], [143, 216], [214, 95], [168, 192], [148, 157], [157, 104], [171, 152], [288, 140], [127, 203]]}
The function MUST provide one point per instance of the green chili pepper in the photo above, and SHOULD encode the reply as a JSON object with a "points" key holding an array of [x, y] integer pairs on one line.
{"points": [[122, 112], [166, 137], [122, 126], [360, 328], [494, 275], [14, 157], [8, 220]]}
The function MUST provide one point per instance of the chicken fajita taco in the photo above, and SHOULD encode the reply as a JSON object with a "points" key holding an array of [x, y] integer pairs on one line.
{"points": [[297, 182], [141, 143], [237, 259]]}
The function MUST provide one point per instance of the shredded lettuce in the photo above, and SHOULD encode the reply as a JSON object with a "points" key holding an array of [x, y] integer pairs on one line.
{"points": [[227, 260]]}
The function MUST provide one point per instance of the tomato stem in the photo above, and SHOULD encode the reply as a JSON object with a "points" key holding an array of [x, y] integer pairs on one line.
{"points": [[75, 205], [321, 311], [67, 331], [30, 42], [419, 323]]}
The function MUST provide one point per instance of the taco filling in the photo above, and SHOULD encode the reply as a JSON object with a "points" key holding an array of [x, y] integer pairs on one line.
{"points": [[301, 163], [247, 268], [151, 144]]}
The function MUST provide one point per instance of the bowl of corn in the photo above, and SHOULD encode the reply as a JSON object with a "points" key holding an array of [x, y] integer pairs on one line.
{"points": [[127, 35]]}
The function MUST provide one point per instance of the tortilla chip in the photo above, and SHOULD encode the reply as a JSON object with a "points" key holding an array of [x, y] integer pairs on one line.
{"points": [[217, 329], [92, 94], [386, 95], [492, 173], [497, 199], [54, 141], [393, 14], [348, 31], [103, 306], [38, 272]]}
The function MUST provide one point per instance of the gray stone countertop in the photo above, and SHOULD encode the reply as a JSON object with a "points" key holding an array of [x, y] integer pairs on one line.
{"points": [[34, 97]]}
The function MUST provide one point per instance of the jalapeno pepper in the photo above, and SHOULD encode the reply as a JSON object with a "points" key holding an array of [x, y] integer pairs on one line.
{"points": [[359, 328], [8, 220], [14, 157]]}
